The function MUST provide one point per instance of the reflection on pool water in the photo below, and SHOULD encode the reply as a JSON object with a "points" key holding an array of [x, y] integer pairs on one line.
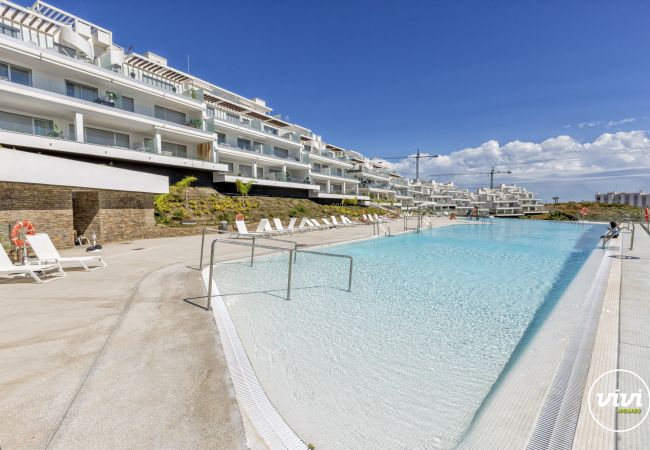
{"points": [[405, 359]]}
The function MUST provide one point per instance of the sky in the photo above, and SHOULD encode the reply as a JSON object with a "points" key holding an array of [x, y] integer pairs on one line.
{"points": [[483, 83]]}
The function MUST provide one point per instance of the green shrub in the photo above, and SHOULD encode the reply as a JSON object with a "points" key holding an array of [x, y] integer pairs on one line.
{"points": [[297, 210], [349, 201]]}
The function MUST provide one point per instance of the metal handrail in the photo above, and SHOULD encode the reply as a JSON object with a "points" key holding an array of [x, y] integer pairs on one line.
{"points": [[254, 237], [218, 230], [292, 258], [630, 226]]}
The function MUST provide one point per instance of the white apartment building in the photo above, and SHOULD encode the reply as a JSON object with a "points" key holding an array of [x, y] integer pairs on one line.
{"points": [[640, 199], [67, 90]]}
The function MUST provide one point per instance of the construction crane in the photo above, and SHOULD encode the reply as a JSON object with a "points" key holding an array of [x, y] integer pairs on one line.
{"points": [[417, 157], [491, 173]]}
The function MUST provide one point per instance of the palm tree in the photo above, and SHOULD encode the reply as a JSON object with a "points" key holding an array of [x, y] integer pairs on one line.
{"points": [[244, 188], [556, 199], [184, 184]]}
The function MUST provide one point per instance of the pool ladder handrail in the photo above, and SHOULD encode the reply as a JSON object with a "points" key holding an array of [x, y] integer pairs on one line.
{"points": [[292, 258], [629, 225]]}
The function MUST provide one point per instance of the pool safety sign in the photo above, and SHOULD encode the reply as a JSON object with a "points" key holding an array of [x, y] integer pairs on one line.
{"points": [[619, 400]]}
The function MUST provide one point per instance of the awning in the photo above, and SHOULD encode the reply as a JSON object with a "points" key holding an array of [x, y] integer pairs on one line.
{"points": [[31, 18], [155, 68]]}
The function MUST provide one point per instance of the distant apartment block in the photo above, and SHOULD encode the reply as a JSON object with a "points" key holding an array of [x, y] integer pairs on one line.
{"points": [[639, 199], [68, 90]]}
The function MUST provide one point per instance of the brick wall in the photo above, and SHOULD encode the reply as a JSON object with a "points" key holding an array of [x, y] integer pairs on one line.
{"points": [[59, 210], [125, 215], [85, 212], [48, 208]]}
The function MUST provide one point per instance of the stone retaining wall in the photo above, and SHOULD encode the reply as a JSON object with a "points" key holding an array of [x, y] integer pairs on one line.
{"points": [[59, 210]]}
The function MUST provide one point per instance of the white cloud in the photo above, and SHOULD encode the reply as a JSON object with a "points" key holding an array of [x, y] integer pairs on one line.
{"points": [[614, 123], [618, 159]]}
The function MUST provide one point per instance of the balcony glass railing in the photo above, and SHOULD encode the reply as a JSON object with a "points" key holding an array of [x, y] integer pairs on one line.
{"points": [[108, 70], [327, 154], [254, 124], [146, 147], [148, 111], [266, 150]]}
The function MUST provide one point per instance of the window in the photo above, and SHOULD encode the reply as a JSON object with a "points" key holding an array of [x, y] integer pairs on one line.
{"points": [[232, 117], [174, 149], [221, 138], [103, 137], [169, 115], [15, 74], [43, 127], [270, 130], [231, 168], [67, 51], [128, 104], [246, 171], [158, 83], [9, 31], [260, 172], [77, 90], [244, 144], [210, 111], [315, 167], [25, 124], [281, 152], [258, 147]]}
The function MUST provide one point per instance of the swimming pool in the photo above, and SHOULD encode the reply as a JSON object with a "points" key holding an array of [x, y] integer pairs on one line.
{"points": [[406, 358]]}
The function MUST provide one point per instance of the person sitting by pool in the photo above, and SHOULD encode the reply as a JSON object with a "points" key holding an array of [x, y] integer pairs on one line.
{"points": [[613, 231]]}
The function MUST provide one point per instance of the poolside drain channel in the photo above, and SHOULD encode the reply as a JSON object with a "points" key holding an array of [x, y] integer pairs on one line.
{"points": [[556, 425]]}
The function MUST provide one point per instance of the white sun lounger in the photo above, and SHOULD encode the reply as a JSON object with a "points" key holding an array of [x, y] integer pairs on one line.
{"points": [[319, 226], [292, 225], [327, 222], [52, 271], [279, 228], [306, 225], [347, 221], [336, 223], [264, 227], [47, 253], [243, 230]]}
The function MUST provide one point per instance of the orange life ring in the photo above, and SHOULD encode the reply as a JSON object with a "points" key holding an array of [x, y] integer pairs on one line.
{"points": [[15, 232], [584, 211], [239, 217]]}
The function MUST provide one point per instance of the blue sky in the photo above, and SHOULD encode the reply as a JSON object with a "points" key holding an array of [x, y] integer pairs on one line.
{"points": [[387, 77]]}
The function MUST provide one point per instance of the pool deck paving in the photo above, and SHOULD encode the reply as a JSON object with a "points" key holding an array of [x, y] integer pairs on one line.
{"points": [[622, 342], [115, 358]]}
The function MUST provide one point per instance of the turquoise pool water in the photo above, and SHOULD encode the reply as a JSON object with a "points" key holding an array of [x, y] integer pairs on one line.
{"points": [[406, 358]]}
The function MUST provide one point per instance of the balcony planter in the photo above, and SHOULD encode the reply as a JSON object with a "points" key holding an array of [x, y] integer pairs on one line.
{"points": [[196, 123]]}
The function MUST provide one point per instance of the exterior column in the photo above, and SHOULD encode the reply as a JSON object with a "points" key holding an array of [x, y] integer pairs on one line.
{"points": [[215, 152], [357, 188], [344, 189], [329, 187], [254, 169], [79, 127], [157, 141]]}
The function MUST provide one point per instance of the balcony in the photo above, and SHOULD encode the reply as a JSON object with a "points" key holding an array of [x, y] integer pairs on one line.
{"points": [[232, 119], [62, 58], [57, 95], [331, 172], [137, 152], [333, 156], [265, 150]]}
